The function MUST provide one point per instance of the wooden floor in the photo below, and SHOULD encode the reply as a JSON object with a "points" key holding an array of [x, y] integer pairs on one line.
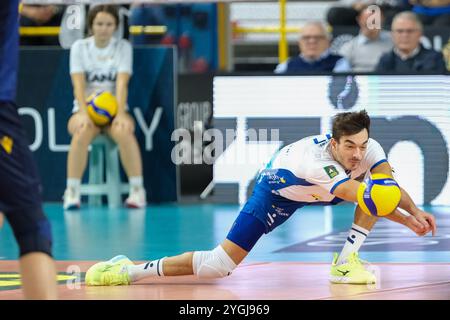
{"points": [[290, 263], [272, 280]]}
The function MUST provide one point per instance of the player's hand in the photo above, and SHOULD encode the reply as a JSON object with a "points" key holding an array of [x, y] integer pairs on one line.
{"points": [[427, 220], [123, 121], [413, 224], [1, 220]]}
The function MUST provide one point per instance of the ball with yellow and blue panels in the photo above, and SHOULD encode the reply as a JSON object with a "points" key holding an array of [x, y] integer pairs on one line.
{"points": [[379, 195], [102, 107]]}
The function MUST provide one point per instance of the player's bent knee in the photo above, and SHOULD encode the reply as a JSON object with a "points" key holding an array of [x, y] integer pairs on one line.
{"points": [[84, 135], [212, 264], [121, 134]]}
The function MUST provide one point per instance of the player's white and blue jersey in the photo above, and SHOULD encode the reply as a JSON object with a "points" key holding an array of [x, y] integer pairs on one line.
{"points": [[300, 174], [306, 172]]}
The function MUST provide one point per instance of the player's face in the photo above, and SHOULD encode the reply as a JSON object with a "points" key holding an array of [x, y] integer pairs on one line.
{"points": [[103, 26], [350, 150]]}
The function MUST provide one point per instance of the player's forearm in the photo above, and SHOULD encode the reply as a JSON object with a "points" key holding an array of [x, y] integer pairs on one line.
{"points": [[81, 99], [78, 83], [122, 92], [347, 190], [121, 96], [398, 217], [406, 203]]}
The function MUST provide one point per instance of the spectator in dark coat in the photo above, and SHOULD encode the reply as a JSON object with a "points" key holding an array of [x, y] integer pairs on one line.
{"points": [[408, 55]]}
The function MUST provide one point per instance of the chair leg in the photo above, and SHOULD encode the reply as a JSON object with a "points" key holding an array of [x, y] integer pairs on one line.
{"points": [[113, 176], [96, 165]]}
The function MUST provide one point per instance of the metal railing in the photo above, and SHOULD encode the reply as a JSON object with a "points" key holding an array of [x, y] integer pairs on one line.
{"points": [[54, 31]]}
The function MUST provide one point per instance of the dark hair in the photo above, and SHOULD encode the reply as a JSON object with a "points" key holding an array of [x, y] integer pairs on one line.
{"points": [[349, 123], [112, 10]]}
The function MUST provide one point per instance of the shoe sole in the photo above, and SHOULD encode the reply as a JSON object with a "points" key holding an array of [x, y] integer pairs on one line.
{"points": [[133, 206], [73, 207]]}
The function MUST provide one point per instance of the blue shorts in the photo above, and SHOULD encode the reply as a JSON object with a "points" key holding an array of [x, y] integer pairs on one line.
{"points": [[262, 213], [20, 187]]}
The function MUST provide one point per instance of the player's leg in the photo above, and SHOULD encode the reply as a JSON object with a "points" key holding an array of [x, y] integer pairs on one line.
{"points": [[347, 267], [130, 156], [20, 201], [37, 268], [362, 224], [189, 263], [83, 131], [38, 276], [261, 214], [216, 263]]}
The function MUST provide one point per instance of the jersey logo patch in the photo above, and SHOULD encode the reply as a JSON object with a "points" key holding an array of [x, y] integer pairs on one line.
{"points": [[331, 171], [316, 197]]}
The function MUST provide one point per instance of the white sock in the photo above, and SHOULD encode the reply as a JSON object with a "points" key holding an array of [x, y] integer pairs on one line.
{"points": [[74, 184], [141, 271], [355, 239], [136, 183]]}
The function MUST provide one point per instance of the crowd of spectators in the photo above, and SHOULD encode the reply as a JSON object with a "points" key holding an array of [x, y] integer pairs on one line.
{"points": [[389, 37], [375, 48]]}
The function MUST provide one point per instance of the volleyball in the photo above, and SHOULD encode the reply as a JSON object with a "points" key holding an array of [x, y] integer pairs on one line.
{"points": [[379, 195], [102, 107]]}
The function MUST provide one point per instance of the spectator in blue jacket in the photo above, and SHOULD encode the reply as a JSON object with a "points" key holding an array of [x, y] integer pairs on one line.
{"points": [[315, 56], [434, 13], [408, 55]]}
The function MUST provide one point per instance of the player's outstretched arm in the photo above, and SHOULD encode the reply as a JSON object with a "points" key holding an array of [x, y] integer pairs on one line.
{"points": [[425, 218], [406, 203], [409, 221]]}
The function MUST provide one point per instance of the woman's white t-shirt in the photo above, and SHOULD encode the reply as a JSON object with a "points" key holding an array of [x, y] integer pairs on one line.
{"points": [[100, 65]]}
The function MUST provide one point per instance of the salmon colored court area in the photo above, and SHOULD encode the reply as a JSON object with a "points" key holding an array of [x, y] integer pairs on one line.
{"points": [[285, 281]]}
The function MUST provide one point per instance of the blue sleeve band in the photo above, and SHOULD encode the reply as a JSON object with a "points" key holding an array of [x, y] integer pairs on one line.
{"points": [[338, 183], [377, 164]]}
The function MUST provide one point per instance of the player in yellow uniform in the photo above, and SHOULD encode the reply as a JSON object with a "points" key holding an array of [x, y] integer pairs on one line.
{"points": [[20, 195]]}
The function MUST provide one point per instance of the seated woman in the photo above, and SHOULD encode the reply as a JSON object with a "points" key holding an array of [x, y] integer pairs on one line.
{"points": [[101, 62]]}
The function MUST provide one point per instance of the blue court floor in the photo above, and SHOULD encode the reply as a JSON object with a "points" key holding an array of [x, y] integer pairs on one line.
{"points": [[311, 235]]}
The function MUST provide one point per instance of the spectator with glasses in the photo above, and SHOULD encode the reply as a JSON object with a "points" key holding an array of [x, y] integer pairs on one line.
{"points": [[408, 55], [315, 55]]}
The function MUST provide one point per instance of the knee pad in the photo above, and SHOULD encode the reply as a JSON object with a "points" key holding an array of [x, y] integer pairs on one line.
{"points": [[212, 264]]}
